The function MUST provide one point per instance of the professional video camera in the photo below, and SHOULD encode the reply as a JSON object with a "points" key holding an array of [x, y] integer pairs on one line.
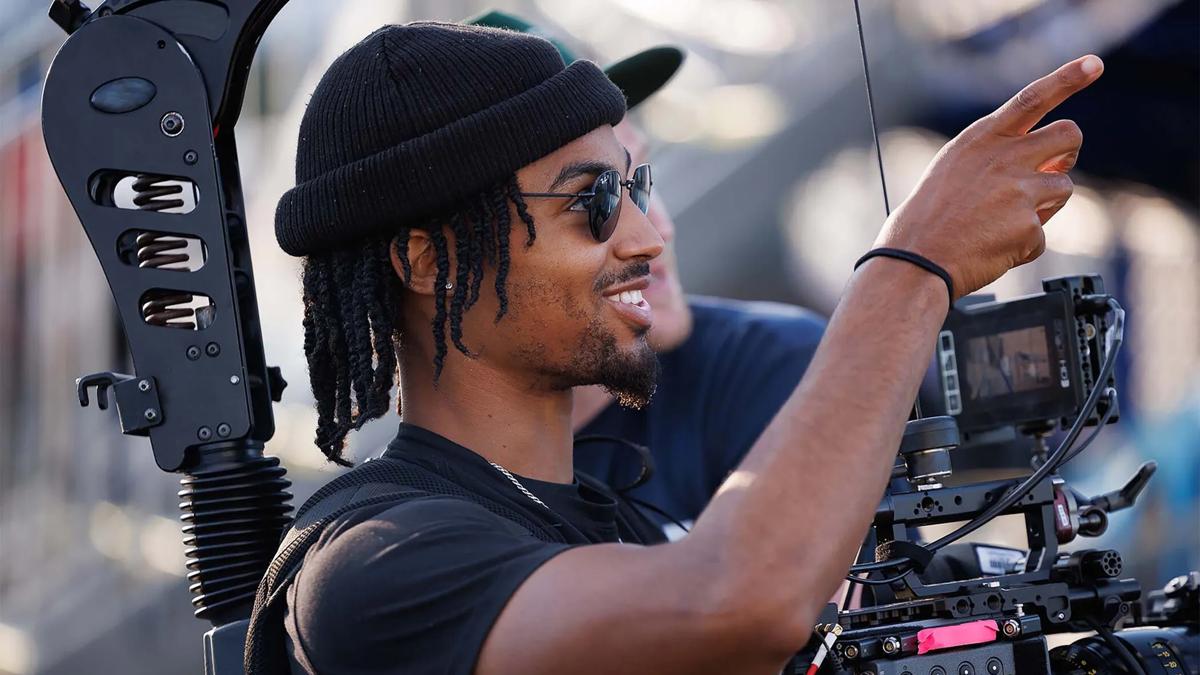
{"points": [[139, 110], [1034, 364]]}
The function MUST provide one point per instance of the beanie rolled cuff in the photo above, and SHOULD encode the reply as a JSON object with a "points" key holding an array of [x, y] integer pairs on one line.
{"points": [[433, 173]]}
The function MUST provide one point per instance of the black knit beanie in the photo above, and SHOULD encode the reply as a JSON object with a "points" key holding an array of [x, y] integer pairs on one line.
{"points": [[415, 119]]}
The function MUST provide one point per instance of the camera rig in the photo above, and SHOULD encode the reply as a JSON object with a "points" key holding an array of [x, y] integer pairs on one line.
{"points": [[138, 115], [1036, 364]]}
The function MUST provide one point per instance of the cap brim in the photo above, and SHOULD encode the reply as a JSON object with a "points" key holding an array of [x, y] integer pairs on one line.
{"points": [[645, 72]]}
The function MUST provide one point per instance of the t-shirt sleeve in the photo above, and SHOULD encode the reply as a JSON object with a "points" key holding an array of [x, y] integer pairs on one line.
{"points": [[409, 588], [755, 373]]}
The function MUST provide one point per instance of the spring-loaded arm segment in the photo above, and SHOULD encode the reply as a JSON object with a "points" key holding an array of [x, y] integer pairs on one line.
{"points": [[138, 114]]}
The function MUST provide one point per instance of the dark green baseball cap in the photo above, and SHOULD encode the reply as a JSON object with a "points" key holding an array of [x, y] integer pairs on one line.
{"points": [[638, 76]]}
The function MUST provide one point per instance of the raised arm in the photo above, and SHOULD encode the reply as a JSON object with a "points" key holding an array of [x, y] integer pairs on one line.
{"points": [[741, 592]]}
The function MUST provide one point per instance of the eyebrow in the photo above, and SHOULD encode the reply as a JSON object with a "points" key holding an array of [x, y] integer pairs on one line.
{"points": [[588, 168]]}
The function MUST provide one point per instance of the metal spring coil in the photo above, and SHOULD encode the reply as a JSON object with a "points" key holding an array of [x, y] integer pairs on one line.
{"points": [[160, 250], [234, 517], [170, 310], [152, 197], [155, 249]]}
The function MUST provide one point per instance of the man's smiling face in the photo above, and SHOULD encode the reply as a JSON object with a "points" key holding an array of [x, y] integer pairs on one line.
{"points": [[575, 315], [672, 315]]}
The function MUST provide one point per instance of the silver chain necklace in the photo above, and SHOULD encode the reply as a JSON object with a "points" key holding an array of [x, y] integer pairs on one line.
{"points": [[525, 491], [520, 487]]}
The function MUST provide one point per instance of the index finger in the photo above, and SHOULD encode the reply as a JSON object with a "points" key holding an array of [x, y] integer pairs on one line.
{"points": [[1021, 112]]}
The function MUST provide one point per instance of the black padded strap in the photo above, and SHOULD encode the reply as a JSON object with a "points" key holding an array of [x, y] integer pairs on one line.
{"points": [[374, 482], [265, 652]]}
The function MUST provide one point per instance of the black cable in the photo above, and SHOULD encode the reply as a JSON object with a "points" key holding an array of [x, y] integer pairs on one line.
{"points": [[1126, 654], [643, 452], [646, 473], [647, 505], [886, 581], [1116, 337], [1110, 396], [849, 595]]}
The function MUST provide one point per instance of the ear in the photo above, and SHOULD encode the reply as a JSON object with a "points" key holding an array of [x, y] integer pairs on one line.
{"points": [[422, 262]]}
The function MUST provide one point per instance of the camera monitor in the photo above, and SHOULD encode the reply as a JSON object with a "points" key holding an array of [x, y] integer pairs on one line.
{"points": [[1011, 363]]}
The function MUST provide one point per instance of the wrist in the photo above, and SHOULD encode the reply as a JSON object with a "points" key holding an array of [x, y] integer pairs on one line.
{"points": [[918, 288], [913, 259]]}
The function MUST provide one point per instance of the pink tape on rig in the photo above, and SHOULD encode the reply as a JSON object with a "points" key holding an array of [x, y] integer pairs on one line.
{"points": [[946, 637]]}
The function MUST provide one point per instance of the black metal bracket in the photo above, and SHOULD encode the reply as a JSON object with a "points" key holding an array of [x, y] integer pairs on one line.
{"points": [[138, 406]]}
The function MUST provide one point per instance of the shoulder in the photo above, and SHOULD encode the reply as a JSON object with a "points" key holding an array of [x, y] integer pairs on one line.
{"points": [[383, 581], [356, 545], [769, 323]]}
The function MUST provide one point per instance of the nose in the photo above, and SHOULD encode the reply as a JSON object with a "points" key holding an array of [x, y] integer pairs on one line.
{"points": [[635, 236]]}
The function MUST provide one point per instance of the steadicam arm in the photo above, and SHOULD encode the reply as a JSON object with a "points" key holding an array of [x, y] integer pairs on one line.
{"points": [[138, 115]]}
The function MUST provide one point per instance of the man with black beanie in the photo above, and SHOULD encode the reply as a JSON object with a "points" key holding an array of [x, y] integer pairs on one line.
{"points": [[469, 220]]}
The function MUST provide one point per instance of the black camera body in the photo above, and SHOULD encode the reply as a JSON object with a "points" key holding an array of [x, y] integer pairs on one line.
{"points": [[1027, 362]]}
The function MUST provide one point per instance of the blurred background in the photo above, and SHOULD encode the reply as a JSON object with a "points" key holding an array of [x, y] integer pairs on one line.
{"points": [[762, 150]]}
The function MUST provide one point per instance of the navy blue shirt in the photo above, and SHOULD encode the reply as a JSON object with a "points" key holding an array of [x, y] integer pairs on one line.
{"points": [[716, 394]]}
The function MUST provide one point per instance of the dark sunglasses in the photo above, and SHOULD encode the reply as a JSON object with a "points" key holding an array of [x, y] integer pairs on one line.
{"points": [[603, 201]]}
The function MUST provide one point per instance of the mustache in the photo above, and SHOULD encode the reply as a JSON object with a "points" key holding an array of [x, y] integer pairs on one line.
{"points": [[633, 271]]}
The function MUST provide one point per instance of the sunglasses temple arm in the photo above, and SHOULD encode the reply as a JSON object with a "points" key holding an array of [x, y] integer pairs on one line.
{"points": [[560, 195]]}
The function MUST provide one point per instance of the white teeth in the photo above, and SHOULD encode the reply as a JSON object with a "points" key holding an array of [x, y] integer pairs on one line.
{"points": [[627, 297]]}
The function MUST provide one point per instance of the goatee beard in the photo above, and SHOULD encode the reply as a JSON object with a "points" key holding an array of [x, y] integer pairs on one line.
{"points": [[630, 376]]}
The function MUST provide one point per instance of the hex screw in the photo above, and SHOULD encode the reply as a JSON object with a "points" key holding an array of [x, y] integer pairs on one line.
{"points": [[1060, 616], [204, 433], [171, 124], [891, 645], [234, 379], [212, 349], [223, 430], [151, 414], [144, 385], [190, 157], [193, 353], [1012, 628]]}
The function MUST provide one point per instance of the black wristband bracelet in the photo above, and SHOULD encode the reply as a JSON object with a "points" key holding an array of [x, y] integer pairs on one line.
{"points": [[907, 256]]}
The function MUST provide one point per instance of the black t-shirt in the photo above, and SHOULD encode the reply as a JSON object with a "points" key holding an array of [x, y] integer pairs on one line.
{"points": [[717, 392], [414, 587]]}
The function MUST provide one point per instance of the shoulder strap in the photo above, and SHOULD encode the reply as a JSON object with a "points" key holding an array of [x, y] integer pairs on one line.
{"points": [[374, 482]]}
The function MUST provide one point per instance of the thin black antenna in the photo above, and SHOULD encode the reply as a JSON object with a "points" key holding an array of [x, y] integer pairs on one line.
{"points": [[887, 206], [862, 43]]}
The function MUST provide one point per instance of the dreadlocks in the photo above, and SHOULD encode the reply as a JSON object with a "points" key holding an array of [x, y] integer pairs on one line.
{"points": [[351, 308]]}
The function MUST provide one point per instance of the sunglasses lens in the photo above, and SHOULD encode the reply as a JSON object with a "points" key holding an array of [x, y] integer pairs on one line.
{"points": [[605, 207], [640, 192]]}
